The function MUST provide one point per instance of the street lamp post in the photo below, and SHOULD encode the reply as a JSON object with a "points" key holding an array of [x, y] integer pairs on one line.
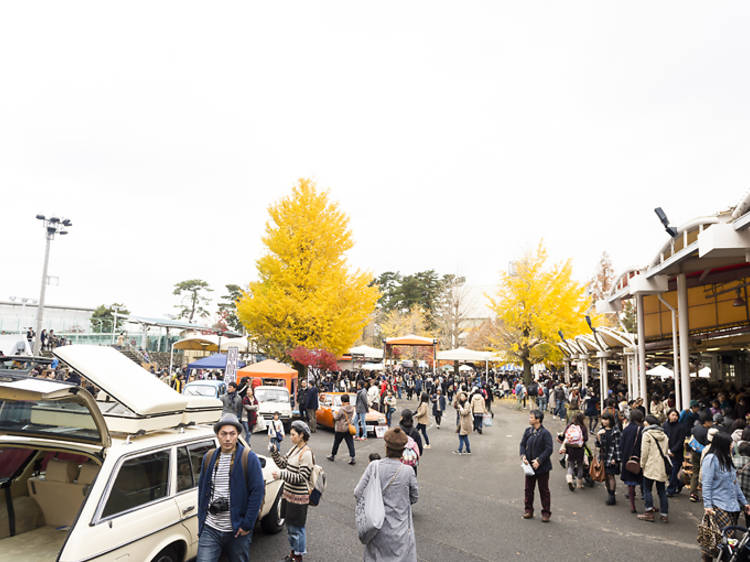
{"points": [[52, 225]]}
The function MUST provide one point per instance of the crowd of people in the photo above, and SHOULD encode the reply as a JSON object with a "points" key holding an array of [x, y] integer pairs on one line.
{"points": [[704, 448], [653, 450]]}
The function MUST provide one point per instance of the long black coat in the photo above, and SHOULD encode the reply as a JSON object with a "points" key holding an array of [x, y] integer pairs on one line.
{"points": [[676, 433], [630, 444]]}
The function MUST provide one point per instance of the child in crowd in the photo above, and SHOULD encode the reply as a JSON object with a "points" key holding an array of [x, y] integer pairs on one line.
{"points": [[275, 431]]}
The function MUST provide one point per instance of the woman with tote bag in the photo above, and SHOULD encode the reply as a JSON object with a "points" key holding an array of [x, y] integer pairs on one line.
{"points": [[394, 540]]}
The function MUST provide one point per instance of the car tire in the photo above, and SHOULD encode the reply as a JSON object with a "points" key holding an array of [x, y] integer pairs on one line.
{"points": [[273, 522], [168, 554]]}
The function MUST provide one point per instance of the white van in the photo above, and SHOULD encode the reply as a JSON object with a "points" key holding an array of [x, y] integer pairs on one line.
{"points": [[106, 480], [273, 399]]}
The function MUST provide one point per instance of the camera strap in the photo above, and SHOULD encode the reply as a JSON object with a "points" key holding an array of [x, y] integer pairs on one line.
{"points": [[216, 471]]}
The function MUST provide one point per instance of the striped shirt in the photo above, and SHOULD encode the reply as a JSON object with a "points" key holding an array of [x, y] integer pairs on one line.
{"points": [[296, 468], [221, 521]]}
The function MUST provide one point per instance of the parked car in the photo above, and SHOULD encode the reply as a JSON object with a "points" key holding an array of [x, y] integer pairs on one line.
{"points": [[211, 388], [274, 399], [106, 480], [329, 402]]}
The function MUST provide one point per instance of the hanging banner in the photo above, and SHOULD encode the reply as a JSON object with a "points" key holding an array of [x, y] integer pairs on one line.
{"points": [[230, 373]]}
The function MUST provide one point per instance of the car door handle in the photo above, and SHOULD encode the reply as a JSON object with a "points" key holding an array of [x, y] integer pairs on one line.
{"points": [[188, 509]]}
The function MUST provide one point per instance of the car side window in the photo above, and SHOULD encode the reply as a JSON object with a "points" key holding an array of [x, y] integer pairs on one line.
{"points": [[139, 481], [196, 452], [184, 470]]}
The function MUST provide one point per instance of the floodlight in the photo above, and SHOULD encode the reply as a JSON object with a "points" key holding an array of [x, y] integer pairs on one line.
{"points": [[672, 231]]}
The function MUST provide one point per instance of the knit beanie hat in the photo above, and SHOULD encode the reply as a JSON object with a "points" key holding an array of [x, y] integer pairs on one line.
{"points": [[395, 440]]}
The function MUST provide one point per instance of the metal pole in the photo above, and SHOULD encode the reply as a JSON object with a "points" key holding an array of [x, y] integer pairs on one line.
{"points": [[114, 324], [682, 308], [675, 356], [42, 293], [585, 370], [641, 348], [171, 353], [604, 380]]}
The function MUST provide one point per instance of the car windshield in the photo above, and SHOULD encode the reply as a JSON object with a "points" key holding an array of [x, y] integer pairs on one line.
{"points": [[337, 399], [200, 390], [280, 395], [55, 418]]}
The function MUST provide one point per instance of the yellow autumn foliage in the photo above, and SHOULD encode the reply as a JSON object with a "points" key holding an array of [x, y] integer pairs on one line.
{"points": [[534, 302], [306, 295]]}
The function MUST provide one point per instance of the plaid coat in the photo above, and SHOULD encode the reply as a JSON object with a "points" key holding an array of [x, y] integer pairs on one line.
{"points": [[609, 450]]}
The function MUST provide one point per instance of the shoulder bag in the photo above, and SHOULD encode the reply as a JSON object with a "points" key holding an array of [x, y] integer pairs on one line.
{"points": [[633, 464]]}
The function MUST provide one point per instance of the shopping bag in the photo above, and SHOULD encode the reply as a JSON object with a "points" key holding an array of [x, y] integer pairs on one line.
{"points": [[487, 420], [596, 470], [369, 511]]}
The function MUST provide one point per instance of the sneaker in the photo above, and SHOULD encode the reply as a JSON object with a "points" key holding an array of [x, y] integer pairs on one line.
{"points": [[545, 518], [664, 518], [427, 447], [571, 487], [330, 458], [467, 453], [528, 515], [457, 452], [351, 461], [694, 498]]}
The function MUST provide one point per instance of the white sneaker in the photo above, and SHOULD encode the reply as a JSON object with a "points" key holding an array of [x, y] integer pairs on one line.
{"points": [[427, 447]]}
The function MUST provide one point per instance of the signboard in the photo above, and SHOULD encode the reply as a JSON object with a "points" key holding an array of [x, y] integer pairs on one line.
{"points": [[380, 431], [230, 373]]}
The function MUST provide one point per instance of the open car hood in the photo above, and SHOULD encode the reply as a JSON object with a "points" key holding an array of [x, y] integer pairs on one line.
{"points": [[50, 409]]}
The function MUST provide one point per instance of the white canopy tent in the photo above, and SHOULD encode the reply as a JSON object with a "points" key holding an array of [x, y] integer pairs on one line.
{"points": [[366, 351], [372, 367], [463, 354], [240, 343], [660, 371]]}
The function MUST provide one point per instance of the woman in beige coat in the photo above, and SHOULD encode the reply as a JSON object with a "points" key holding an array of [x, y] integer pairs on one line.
{"points": [[422, 417], [654, 447], [465, 424], [477, 409]]}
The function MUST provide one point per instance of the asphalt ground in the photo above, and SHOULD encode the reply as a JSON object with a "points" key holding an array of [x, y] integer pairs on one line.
{"points": [[470, 506]]}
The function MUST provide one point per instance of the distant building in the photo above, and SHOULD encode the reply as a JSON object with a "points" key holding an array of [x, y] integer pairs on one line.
{"points": [[16, 317]]}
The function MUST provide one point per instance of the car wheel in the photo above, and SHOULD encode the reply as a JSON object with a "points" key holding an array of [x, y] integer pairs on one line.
{"points": [[273, 522], [169, 554]]}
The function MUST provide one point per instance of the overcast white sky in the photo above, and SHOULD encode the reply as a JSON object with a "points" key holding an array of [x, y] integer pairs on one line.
{"points": [[455, 135]]}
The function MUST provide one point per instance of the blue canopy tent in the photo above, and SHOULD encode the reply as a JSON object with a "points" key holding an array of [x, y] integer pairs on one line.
{"points": [[215, 361]]}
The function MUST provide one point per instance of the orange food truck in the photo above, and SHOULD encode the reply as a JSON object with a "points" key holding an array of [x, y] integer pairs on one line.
{"points": [[271, 373]]}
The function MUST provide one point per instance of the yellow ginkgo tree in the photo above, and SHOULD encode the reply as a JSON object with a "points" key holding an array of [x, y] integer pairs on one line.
{"points": [[306, 295], [533, 302]]}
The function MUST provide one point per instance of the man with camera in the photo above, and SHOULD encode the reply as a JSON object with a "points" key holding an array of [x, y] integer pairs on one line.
{"points": [[230, 492]]}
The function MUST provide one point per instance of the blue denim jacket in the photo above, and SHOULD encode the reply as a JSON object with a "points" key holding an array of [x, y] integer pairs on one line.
{"points": [[720, 487]]}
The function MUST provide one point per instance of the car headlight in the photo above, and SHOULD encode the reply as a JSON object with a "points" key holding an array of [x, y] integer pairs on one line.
{"points": [[381, 420]]}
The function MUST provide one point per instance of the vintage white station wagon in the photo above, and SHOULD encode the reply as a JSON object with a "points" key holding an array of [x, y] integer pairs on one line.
{"points": [[108, 478]]}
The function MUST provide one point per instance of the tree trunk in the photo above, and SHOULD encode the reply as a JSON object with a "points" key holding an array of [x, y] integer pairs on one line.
{"points": [[526, 371], [455, 368]]}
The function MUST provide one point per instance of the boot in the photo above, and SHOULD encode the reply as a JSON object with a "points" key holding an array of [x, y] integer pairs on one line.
{"points": [[611, 500], [647, 516]]}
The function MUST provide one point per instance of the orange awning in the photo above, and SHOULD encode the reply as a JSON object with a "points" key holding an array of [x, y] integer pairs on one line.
{"points": [[269, 367], [410, 339]]}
